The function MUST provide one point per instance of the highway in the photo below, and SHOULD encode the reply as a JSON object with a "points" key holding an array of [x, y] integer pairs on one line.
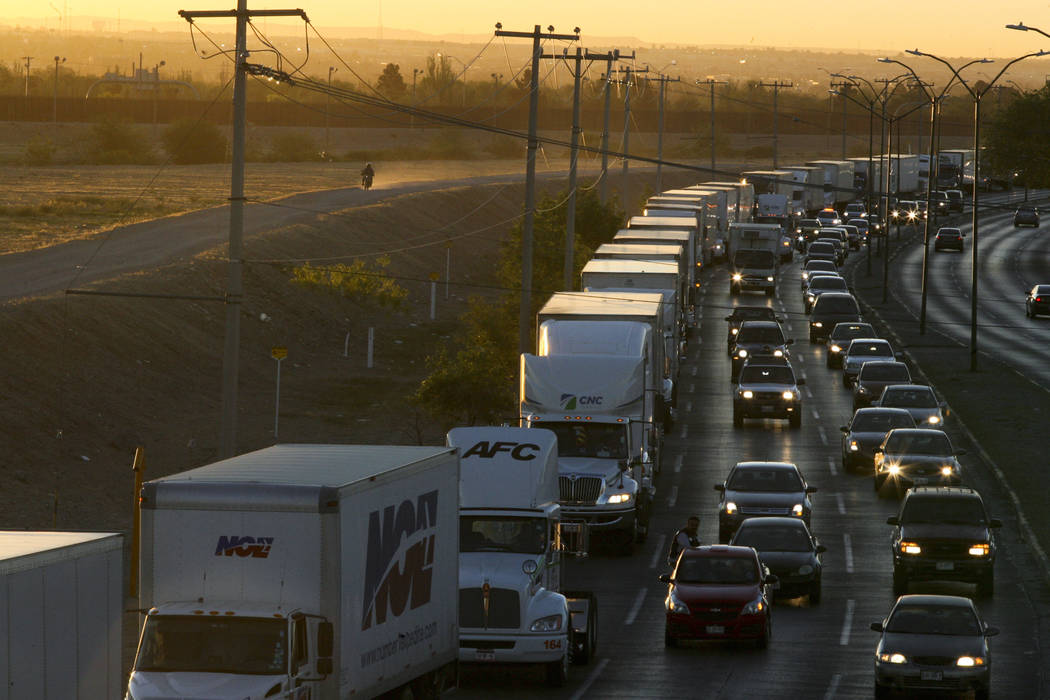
{"points": [[825, 651]]}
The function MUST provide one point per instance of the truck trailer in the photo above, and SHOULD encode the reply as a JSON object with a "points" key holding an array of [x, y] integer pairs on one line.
{"points": [[321, 571], [754, 250], [808, 192], [838, 181]]}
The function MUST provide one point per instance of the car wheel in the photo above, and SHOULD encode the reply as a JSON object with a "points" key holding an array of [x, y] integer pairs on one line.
{"points": [[738, 419], [558, 671], [795, 420], [1028, 312], [846, 382], [900, 583], [814, 593], [982, 693], [763, 641], [881, 691], [724, 535], [669, 641], [986, 585]]}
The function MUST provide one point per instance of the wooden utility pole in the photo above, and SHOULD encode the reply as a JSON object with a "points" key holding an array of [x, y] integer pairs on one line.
{"points": [[710, 82], [776, 85], [663, 80]]}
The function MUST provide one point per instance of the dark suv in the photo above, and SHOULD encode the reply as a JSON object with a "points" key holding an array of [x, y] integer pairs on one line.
{"points": [[829, 309], [943, 533], [767, 388]]}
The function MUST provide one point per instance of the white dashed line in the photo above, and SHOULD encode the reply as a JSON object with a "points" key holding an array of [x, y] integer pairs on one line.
{"points": [[658, 554], [591, 678], [694, 370], [685, 431], [817, 417], [847, 548], [689, 406], [823, 435], [847, 623], [809, 394], [692, 388], [833, 687], [678, 463], [637, 607], [673, 498], [832, 467], [841, 503]]}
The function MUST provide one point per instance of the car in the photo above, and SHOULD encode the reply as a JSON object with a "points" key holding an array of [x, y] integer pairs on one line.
{"points": [[837, 237], [853, 236], [917, 399], [866, 431], [921, 211], [767, 388], [863, 227], [814, 274], [817, 265], [1026, 215], [861, 350], [955, 200], [1037, 301], [718, 592], [828, 217], [822, 285], [791, 553], [829, 309], [948, 238], [821, 250], [931, 643], [839, 337], [875, 376], [875, 225], [909, 457], [762, 489], [854, 210], [943, 534], [806, 231], [746, 313], [906, 212], [787, 250], [758, 338], [940, 202], [719, 250]]}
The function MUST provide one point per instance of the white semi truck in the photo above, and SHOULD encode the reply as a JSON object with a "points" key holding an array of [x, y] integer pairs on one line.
{"points": [[320, 571], [754, 251], [650, 251], [639, 274], [838, 181], [513, 608], [651, 236], [904, 173], [61, 603], [808, 192]]}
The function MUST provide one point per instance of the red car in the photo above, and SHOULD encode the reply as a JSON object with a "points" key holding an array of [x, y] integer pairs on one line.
{"points": [[718, 592]]}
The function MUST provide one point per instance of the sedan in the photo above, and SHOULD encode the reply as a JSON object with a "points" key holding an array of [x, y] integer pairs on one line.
{"points": [[863, 228], [933, 642], [866, 431], [758, 338], [874, 377], [948, 238], [718, 592], [1037, 301], [828, 217], [786, 547], [817, 266], [853, 236], [746, 313], [916, 457], [917, 399], [821, 250], [838, 340], [819, 285], [861, 350], [757, 489], [1026, 215]]}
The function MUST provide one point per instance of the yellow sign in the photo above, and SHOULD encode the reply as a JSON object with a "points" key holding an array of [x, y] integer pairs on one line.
{"points": [[278, 352]]}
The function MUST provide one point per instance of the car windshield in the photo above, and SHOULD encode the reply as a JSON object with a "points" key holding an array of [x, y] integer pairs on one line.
{"points": [[846, 332], [858, 349], [934, 444], [936, 509], [1042, 289], [767, 375], [241, 645], [779, 480], [821, 265], [502, 534], [824, 247], [954, 620], [716, 570], [602, 440], [752, 313], [908, 398], [836, 305], [878, 372], [879, 422], [770, 335], [828, 283], [773, 539], [754, 258]]}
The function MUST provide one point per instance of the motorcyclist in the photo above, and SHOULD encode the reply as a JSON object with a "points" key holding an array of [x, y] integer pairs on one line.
{"points": [[368, 173]]}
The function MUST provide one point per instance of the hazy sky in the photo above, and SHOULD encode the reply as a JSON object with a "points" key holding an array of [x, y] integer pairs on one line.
{"points": [[947, 27]]}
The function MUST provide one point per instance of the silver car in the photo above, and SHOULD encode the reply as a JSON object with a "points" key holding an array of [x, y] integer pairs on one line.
{"points": [[918, 400], [863, 350]]}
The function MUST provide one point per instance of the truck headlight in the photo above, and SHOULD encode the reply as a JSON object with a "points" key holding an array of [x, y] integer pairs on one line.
{"points": [[619, 498], [979, 550], [551, 623], [747, 394], [730, 507], [737, 277], [769, 279]]}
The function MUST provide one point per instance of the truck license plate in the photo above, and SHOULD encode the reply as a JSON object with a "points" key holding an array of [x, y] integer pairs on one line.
{"points": [[484, 655], [768, 409], [716, 629], [931, 675], [920, 480], [945, 566]]}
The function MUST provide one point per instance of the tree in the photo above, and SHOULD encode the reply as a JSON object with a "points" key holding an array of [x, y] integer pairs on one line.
{"points": [[438, 76], [191, 142], [390, 84], [1018, 139]]}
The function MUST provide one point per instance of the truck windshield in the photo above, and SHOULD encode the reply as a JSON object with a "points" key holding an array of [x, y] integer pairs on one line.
{"points": [[603, 440], [198, 644], [502, 534], [755, 258]]}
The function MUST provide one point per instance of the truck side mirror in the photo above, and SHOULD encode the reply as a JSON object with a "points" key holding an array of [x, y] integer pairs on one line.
{"points": [[719, 487], [893, 520]]}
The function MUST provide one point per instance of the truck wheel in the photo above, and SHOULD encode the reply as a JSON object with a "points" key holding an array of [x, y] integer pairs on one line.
{"points": [[558, 671], [589, 644]]}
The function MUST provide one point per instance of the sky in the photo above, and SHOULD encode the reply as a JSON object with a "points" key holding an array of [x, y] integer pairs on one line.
{"points": [[944, 27]]}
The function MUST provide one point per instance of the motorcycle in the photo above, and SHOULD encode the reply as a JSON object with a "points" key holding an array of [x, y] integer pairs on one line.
{"points": [[366, 181]]}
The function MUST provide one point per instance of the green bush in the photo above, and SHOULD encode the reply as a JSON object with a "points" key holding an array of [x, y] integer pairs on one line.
{"points": [[115, 142], [39, 151], [292, 147], [190, 142]]}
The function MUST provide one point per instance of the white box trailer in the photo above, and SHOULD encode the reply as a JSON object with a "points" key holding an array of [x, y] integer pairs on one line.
{"points": [[61, 602], [860, 175], [321, 570], [838, 181], [717, 200], [904, 173], [770, 181], [808, 192], [636, 274], [650, 251]]}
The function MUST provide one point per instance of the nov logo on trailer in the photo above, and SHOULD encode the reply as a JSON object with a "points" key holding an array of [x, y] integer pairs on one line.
{"points": [[243, 546], [400, 560]]}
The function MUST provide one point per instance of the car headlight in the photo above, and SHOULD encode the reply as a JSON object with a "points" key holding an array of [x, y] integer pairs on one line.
{"points": [[734, 331], [755, 607], [741, 353], [893, 658], [747, 394], [980, 550], [730, 507], [796, 510], [805, 569], [947, 470], [778, 353], [895, 469], [862, 389], [910, 548], [619, 498], [835, 348], [853, 446], [934, 420], [550, 623], [788, 395], [737, 277], [769, 279], [675, 605], [970, 661], [805, 276], [817, 324]]}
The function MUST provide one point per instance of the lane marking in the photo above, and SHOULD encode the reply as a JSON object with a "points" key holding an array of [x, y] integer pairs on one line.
{"points": [[809, 394], [678, 463], [673, 498], [636, 608], [820, 429], [833, 687], [847, 548], [591, 678], [694, 370], [689, 406], [658, 554], [685, 431], [841, 503], [815, 414], [692, 388], [847, 622], [832, 467]]}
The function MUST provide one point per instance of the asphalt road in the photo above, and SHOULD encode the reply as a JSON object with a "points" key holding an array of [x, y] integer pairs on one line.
{"points": [[824, 651]]}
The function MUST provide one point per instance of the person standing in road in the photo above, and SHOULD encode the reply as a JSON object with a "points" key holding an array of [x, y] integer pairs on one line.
{"points": [[687, 537]]}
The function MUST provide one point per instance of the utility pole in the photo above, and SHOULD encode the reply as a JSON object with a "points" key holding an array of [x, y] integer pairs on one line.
{"points": [[235, 287], [663, 80], [28, 60], [843, 87], [710, 82], [603, 190], [625, 187], [327, 102], [54, 115], [776, 85], [525, 310]]}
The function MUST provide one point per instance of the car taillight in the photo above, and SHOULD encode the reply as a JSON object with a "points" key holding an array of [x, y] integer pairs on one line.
{"points": [[1039, 298]]}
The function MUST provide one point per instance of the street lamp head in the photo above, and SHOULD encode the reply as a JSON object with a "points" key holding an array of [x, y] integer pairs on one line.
{"points": [[986, 60], [883, 59], [1019, 27], [914, 52]]}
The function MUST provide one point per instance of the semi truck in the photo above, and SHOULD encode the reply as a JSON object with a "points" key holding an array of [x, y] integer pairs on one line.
{"points": [[513, 608], [860, 175], [61, 602], [650, 251], [904, 173], [745, 197], [838, 181], [320, 571], [652, 236], [638, 274], [754, 250], [955, 169], [808, 192]]}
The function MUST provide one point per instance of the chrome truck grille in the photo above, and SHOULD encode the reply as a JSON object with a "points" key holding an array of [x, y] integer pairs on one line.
{"points": [[583, 489]]}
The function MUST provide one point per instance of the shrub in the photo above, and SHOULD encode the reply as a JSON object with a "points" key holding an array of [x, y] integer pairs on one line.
{"points": [[116, 142], [292, 147], [190, 142], [39, 151]]}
